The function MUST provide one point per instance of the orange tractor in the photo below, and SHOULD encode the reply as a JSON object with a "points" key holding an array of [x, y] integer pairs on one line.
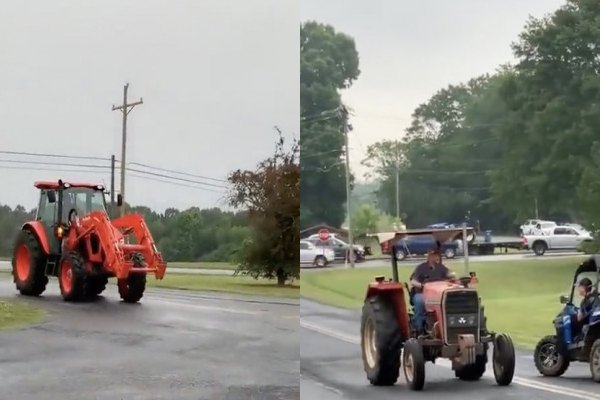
{"points": [[455, 327], [74, 239]]}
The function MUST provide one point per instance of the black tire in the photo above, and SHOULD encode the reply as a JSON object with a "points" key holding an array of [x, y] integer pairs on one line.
{"points": [[473, 372], [132, 289], [401, 255], [320, 261], [382, 347], [34, 282], [539, 248], [97, 285], [503, 360], [75, 287], [414, 364], [595, 361], [548, 360]]}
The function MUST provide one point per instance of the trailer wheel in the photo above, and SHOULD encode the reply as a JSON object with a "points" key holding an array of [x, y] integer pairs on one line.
{"points": [[414, 364], [28, 265], [381, 342], [72, 278], [503, 360]]}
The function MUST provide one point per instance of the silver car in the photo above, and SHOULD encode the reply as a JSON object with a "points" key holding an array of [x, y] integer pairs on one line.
{"points": [[316, 256]]}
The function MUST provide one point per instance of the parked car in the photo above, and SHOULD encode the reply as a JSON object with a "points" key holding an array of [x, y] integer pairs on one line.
{"points": [[560, 238], [537, 226], [316, 256], [339, 247], [421, 244]]}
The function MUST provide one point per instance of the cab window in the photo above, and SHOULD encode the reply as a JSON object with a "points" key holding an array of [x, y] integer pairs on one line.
{"points": [[46, 210]]}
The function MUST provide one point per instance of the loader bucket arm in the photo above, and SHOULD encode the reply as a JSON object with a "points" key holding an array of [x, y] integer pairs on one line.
{"points": [[134, 224]]}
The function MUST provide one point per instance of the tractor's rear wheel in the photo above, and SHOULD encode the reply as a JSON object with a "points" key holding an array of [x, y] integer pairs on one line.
{"points": [[414, 364], [503, 360], [132, 288], [381, 341], [72, 278], [28, 265], [548, 358], [472, 372]]}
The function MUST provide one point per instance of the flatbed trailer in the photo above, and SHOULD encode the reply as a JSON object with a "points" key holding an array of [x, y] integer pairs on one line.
{"points": [[480, 247]]}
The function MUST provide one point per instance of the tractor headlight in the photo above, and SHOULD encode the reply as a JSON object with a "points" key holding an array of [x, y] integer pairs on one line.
{"points": [[59, 231]]}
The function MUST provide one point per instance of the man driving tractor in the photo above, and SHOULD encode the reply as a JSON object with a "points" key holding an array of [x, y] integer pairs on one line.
{"points": [[429, 271]]}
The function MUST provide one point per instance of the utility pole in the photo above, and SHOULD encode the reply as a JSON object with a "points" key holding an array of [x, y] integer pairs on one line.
{"points": [[344, 113], [397, 182], [125, 108], [536, 209], [112, 185]]}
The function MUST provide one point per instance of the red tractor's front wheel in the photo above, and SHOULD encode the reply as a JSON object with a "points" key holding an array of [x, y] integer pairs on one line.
{"points": [[72, 278], [132, 288], [28, 265]]}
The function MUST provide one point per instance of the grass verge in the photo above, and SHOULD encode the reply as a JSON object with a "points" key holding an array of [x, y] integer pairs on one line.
{"points": [[201, 265], [520, 297], [15, 314], [230, 284]]}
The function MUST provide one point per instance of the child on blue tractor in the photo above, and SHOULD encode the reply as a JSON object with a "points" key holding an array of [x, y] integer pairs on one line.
{"points": [[577, 335]]}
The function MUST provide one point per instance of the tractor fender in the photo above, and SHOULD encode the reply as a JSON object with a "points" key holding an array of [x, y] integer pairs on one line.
{"points": [[37, 228], [393, 291]]}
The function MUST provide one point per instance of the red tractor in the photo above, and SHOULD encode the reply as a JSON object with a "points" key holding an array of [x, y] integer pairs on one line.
{"points": [[74, 239], [455, 328]]}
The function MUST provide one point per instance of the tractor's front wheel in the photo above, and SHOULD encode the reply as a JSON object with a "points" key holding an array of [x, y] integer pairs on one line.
{"points": [[414, 364], [72, 278], [132, 289], [28, 265], [548, 358], [595, 361], [503, 360], [381, 341]]}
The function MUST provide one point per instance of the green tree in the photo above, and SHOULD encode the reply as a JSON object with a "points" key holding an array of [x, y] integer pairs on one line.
{"points": [[271, 195], [328, 63]]}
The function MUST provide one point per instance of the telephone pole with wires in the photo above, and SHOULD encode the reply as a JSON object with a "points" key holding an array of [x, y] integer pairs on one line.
{"points": [[125, 109], [347, 129]]}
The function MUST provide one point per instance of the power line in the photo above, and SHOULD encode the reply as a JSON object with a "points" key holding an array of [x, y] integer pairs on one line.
{"points": [[175, 183], [23, 153], [175, 178], [55, 163], [178, 172], [50, 169]]}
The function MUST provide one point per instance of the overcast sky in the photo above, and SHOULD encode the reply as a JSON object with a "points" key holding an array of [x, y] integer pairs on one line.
{"points": [[216, 76], [410, 49]]}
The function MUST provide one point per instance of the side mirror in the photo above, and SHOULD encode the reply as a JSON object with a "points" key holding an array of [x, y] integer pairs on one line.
{"points": [[119, 200], [51, 195], [564, 299]]}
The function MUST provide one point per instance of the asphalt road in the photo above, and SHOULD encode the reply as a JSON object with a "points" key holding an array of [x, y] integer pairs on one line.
{"points": [[173, 345], [331, 369]]}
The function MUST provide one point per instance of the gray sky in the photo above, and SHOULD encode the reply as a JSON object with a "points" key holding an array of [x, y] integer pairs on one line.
{"points": [[215, 75], [410, 49]]}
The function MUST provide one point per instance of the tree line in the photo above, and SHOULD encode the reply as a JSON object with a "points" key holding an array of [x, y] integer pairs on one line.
{"points": [[181, 235], [503, 147]]}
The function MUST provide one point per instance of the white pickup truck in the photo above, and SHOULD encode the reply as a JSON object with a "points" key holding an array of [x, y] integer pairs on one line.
{"points": [[560, 238]]}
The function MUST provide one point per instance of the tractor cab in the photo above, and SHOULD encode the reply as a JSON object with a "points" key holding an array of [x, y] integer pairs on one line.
{"points": [[62, 202], [575, 339]]}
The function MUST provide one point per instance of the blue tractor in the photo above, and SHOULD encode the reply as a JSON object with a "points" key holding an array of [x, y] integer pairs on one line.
{"points": [[574, 340]]}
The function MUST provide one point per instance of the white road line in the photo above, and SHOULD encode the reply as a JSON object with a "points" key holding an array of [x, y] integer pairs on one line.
{"points": [[202, 307], [558, 389]]}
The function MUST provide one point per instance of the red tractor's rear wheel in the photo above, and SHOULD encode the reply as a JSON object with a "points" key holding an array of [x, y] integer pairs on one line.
{"points": [[72, 278], [381, 341], [132, 288], [28, 265]]}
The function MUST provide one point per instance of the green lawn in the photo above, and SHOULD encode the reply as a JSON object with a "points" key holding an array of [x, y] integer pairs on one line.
{"points": [[15, 314], [520, 297], [230, 284], [201, 265]]}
